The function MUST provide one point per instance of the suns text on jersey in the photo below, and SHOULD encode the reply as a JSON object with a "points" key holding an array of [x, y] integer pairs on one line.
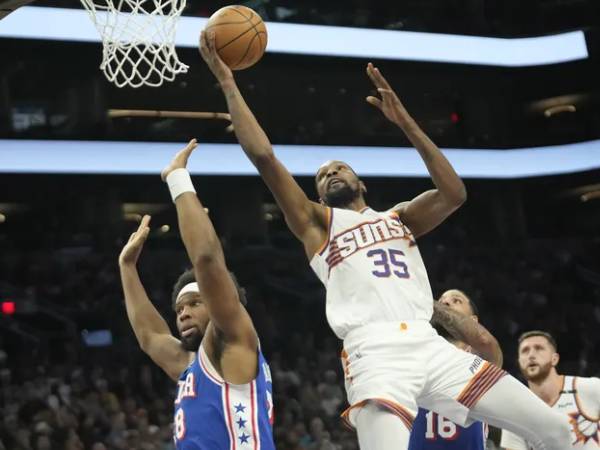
{"points": [[366, 234]]}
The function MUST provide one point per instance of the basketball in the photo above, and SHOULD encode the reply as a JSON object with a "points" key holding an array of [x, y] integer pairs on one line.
{"points": [[240, 36]]}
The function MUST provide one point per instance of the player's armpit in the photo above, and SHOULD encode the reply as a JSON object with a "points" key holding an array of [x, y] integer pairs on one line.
{"points": [[308, 220], [166, 351], [223, 302], [426, 211]]}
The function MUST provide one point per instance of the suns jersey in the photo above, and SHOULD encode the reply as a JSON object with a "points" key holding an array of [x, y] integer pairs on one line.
{"points": [[434, 432], [211, 414], [372, 270], [579, 401]]}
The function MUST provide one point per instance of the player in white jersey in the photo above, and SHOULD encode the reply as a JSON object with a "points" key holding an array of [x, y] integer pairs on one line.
{"points": [[379, 301], [577, 398]]}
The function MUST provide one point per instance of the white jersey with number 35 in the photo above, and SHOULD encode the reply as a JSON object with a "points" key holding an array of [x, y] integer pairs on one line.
{"points": [[372, 270]]}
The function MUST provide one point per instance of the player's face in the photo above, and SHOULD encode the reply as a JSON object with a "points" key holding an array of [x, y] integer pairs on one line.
{"points": [[537, 357], [457, 301], [192, 320], [337, 184]]}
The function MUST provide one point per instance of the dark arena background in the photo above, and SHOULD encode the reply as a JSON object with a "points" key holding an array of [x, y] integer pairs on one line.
{"points": [[525, 246]]}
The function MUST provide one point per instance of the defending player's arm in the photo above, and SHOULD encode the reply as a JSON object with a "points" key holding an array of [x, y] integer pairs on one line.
{"points": [[469, 331], [206, 254], [151, 330], [426, 211], [306, 219]]}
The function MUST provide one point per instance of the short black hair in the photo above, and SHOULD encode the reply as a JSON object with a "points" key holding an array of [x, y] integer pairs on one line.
{"points": [[472, 304], [188, 277], [543, 334]]}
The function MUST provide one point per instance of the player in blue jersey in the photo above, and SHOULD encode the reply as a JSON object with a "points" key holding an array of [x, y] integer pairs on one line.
{"points": [[224, 399], [455, 318]]}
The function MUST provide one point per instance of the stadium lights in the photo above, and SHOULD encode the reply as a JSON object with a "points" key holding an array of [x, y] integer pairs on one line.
{"points": [[32, 22], [102, 157]]}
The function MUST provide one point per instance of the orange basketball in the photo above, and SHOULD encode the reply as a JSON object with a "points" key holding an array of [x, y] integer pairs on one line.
{"points": [[240, 36]]}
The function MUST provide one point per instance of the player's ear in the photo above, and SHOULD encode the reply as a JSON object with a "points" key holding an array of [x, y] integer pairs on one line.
{"points": [[555, 359], [362, 187]]}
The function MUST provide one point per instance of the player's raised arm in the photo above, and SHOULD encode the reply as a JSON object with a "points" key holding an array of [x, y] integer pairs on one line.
{"points": [[151, 330], [206, 254], [306, 219], [428, 210], [469, 331]]}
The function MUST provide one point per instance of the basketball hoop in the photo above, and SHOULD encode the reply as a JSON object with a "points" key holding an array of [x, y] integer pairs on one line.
{"points": [[138, 40]]}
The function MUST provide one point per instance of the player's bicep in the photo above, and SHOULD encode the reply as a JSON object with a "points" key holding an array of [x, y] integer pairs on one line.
{"points": [[166, 351], [301, 214], [222, 300], [425, 212]]}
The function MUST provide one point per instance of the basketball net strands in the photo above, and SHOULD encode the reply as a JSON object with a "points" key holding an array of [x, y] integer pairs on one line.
{"points": [[138, 40]]}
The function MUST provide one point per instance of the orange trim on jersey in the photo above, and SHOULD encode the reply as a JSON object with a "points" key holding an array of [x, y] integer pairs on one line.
{"points": [[403, 414], [482, 382], [579, 408], [345, 365], [323, 246]]}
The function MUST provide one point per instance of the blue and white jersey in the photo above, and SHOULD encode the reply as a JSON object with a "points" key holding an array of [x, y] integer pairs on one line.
{"points": [[211, 414], [433, 432]]}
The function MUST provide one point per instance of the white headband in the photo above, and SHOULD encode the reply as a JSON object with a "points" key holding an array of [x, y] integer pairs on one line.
{"points": [[190, 287]]}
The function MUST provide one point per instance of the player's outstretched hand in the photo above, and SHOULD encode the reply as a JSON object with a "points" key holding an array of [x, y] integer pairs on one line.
{"points": [[209, 53], [389, 103], [180, 160], [131, 252]]}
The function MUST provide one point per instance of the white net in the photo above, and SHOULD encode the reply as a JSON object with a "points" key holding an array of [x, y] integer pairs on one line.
{"points": [[138, 40]]}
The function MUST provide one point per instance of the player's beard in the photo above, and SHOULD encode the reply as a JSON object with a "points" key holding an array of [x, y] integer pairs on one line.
{"points": [[341, 197], [442, 331], [191, 343], [541, 374]]}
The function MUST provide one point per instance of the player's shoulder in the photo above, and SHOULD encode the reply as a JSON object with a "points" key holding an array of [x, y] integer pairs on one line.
{"points": [[591, 382]]}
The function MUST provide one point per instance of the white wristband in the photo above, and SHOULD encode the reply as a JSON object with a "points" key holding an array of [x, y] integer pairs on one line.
{"points": [[179, 181]]}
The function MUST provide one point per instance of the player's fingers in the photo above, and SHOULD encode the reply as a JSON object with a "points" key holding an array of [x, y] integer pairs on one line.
{"points": [[371, 75], [211, 42], [189, 148], [203, 44], [375, 101], [381, 79], [132, 237], [145, 221]]}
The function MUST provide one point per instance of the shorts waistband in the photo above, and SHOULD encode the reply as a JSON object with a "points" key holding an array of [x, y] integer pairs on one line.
{"points": [[384, 328]]}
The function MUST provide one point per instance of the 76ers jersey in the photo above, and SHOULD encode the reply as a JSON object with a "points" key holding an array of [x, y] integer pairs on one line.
{"points": [[579, 401], [211, 414], [433, 432], [372, 270]]}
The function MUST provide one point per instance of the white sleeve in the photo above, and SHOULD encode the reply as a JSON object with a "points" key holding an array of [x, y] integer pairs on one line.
{"points": [[511, 441], [588, 396]]}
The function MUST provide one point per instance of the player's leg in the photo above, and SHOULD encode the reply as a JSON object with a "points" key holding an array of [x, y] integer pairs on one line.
{"points": [[510, 405], [463, 386], [378, 428]]}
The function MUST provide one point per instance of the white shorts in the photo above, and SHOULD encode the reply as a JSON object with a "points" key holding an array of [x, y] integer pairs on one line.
{"points": [[404, 365]]}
